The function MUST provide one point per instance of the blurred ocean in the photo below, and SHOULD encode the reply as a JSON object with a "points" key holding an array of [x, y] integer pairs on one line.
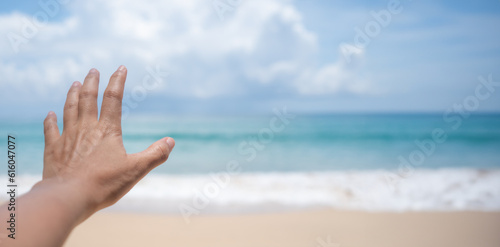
{"points": [[342, 161]]}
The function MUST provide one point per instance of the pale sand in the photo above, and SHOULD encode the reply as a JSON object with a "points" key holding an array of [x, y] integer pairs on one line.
{"points": [[348, 229]]}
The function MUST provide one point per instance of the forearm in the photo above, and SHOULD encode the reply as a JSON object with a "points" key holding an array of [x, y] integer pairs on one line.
{"points": [[45, 215]]}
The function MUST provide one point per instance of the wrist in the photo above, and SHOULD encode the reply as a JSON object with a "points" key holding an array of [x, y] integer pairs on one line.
{"points": [[68, 196]]}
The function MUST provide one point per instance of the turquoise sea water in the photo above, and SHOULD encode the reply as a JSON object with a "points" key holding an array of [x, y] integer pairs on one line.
{"points": [[334, 161], [306, 143]]}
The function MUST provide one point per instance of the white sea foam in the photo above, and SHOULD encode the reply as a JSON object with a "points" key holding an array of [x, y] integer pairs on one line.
{"points": [[424, 190]]}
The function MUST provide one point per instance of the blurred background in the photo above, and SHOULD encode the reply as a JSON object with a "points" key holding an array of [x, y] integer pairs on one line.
{"points": [[375, 105]]}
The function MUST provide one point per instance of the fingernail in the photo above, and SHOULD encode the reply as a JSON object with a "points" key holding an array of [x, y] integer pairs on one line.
{"points": [[51, 113], [76, 84], [170, 142], [92, 71], [122, 68]]}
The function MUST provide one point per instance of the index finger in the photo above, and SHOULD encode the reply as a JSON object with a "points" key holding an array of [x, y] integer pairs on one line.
{"points": [[111, 110]]}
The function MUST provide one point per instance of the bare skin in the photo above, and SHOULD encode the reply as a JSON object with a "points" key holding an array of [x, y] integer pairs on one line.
{"points": [[85, 169]]}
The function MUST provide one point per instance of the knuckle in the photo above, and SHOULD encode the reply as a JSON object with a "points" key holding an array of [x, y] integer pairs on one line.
{"points": [[98, 134], [162, 152], [116, 76], [51, 151], [46, 129], [88, 94], [47, 125], [110, 129], [70, 105], [114, 131], [119, 73], [112, 94], [73, 90], [92, 75]]}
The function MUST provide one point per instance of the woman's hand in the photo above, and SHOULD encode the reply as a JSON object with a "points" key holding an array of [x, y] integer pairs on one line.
{"points": [[88, 158], [84, 169]]}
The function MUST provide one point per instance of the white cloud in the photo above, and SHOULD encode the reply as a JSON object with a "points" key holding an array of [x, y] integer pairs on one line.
{"points": [[339, 76], [261, 42]]}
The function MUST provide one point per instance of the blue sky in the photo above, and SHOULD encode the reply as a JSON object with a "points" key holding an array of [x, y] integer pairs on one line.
{"points": [[261, 54]]}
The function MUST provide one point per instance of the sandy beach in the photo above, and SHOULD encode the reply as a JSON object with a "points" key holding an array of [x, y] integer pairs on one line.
{"points": [[326, 228]]}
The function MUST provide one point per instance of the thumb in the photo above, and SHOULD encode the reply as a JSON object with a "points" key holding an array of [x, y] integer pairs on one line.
{"points": [[155, 154]]}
